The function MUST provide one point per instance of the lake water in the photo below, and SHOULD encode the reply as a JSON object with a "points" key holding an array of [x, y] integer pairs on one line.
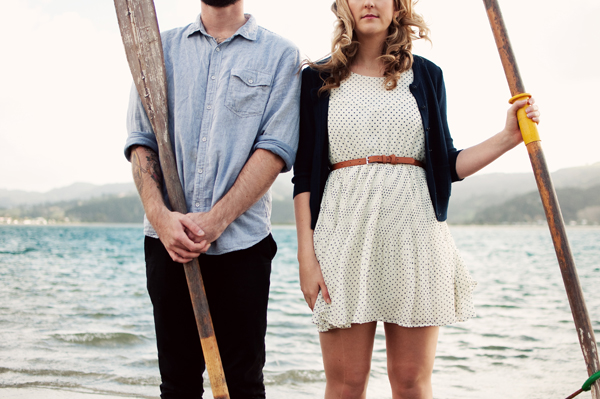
{"points": [[75, 315]]}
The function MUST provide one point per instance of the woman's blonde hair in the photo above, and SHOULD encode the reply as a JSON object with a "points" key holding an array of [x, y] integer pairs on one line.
{"points": [[396, 54]]}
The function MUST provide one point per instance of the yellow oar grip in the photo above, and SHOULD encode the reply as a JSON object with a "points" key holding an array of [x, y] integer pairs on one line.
{"points": [[528, 127]]}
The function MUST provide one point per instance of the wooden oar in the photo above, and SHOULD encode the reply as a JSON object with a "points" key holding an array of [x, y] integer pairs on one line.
{"points": [[585, 332], [141, 37]]}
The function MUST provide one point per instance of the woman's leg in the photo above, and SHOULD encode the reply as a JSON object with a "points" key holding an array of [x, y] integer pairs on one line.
{"points": [[410, 356], [347, 359]]}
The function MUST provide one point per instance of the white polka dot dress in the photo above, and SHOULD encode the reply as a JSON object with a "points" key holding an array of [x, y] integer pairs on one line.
{"points": [[384, 255]]}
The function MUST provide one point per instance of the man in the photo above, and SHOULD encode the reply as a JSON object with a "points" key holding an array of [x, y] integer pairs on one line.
{"points": [[233, 117]]}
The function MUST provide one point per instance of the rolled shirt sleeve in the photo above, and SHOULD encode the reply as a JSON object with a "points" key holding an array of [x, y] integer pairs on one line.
{"points": [[280, 127], [139, 128]]}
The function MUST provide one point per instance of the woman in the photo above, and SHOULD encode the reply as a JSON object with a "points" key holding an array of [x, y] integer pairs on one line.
{"points": [[373, 244]]}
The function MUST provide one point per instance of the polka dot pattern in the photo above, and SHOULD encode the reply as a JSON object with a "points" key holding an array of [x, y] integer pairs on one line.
{"points": [[383, 254]]}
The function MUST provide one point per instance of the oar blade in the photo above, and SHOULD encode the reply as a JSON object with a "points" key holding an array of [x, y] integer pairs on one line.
{"points": [[143, 46]]}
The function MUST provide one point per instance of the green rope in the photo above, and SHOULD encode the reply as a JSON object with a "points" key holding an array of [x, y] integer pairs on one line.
{"points": [[590, 381]]}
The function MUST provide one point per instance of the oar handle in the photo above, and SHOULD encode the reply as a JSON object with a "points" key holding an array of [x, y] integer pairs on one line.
{"points": [[529, 129]]}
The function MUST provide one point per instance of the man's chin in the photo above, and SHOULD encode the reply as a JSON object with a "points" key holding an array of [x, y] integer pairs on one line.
{"points": [[220, 3]]}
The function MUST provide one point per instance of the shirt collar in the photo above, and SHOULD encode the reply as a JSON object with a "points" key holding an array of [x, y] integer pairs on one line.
{"points": [[249, 30]]}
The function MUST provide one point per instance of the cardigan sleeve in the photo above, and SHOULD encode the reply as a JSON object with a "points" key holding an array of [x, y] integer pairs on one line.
{"points": [[306, 144], [452, 151]]}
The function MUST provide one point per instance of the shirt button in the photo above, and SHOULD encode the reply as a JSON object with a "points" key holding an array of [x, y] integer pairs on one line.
{"points": [[250, 81], [200, 171], [213, 77], [203, 138], [197, 205], [209, 107], [218, 49]]}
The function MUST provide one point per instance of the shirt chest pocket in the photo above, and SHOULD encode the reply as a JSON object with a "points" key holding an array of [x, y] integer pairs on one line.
{"points": [[248, 92]]}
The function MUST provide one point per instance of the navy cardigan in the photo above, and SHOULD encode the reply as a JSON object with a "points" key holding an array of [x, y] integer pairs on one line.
{"points": [[312, 166]]}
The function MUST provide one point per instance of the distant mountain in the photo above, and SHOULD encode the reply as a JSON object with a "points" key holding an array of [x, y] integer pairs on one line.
{"points": [[479, 192], [580, 206], [484, 199], [487, 192], [106, 209], [76, 191], [112, 203]]}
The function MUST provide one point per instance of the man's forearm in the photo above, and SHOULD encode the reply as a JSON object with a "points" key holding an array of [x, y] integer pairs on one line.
{"points": [[148, 179], [253, 182], [170, 226]]}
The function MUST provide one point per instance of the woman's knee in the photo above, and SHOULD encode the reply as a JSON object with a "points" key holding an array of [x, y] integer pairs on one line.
{"points": [[347, 360], [350, 385], [410, 381]]}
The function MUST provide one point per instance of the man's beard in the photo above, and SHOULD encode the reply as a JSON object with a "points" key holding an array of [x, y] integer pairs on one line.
{"points": [[219, 3]]}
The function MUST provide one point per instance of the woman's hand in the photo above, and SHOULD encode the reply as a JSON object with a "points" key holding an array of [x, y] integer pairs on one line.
{"points": [[311, 280], [511, 129]]}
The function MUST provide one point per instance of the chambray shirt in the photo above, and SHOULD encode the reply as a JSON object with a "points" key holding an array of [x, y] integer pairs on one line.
{"points": [[225, 101]]}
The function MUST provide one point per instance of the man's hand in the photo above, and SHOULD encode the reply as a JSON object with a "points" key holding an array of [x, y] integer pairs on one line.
{"points": [[183, 239], [211, 226]]}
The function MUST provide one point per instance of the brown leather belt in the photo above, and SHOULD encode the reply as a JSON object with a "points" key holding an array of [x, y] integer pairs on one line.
{"points": [[391, 159]]}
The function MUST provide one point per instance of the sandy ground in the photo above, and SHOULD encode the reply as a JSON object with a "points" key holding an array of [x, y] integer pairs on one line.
{"points": [[47, 393]]}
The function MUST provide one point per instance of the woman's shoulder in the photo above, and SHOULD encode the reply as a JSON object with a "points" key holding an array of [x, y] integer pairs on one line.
{"points": [[428, 65], [312, 77], [311, 72]]}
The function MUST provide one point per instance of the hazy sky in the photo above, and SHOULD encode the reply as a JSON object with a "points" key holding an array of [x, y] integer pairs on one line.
{"points": [[65, 79]]}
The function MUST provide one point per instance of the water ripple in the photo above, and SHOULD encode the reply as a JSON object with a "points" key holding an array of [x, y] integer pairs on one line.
{"points": [[295, 377], [101, 339], [19, 252]]}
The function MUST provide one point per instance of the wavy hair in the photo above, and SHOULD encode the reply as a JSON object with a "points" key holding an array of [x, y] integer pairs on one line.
{"points": [[396, 54]]}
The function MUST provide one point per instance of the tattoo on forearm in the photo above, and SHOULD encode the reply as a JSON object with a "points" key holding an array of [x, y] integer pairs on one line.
{"points": [[152, 168]]}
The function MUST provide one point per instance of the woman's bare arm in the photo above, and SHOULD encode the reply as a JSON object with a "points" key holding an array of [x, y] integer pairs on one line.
{"points": [[477, 157], [311, 277]]}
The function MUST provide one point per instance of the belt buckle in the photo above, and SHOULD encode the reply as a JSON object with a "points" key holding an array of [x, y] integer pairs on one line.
{"points": [[367, 159]]}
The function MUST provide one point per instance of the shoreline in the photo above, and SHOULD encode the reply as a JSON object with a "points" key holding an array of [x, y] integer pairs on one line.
{"points": [[61, 393]]}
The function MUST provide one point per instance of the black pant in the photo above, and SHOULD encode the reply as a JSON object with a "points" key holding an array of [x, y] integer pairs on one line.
{"points": [[237, 289]]}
